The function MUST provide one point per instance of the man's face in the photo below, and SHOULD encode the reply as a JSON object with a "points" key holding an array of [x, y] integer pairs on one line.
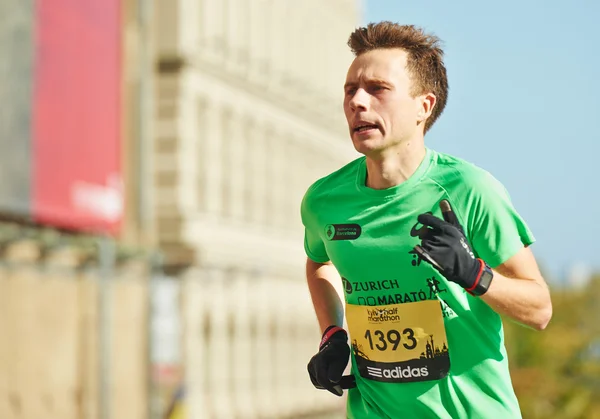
{"points": [[379, 107]]}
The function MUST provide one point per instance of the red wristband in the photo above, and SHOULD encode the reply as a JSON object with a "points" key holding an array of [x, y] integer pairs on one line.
{"points": [[479, 272], [328, 335]]}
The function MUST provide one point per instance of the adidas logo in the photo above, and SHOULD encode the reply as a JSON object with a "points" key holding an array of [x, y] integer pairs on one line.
{"points": [[398, 372]]}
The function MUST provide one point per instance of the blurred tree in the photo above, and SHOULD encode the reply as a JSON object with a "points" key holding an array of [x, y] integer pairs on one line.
{"points": [[556, 373]]}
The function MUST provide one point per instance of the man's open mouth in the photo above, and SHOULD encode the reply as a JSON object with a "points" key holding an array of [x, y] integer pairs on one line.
{"points": [[365, 127]]}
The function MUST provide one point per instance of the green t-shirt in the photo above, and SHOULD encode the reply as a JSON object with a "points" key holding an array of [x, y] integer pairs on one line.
{"points": [[369, 236]]}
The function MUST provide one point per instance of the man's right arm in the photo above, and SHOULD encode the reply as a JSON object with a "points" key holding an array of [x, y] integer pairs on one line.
{"points": [[321, 279]]}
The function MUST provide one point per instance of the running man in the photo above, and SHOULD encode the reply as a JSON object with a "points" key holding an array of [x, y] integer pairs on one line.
{"points": [[429, 248]]}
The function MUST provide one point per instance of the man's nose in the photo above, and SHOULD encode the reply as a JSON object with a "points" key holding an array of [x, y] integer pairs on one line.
{"points": [[360, 100]]}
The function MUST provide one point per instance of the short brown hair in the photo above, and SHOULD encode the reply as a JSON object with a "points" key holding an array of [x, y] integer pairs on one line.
{"points": [[424, 62]]}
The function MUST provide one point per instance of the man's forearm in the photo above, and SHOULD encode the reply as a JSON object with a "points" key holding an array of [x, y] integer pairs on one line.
{"points": [[326, 301], [524, 300]]}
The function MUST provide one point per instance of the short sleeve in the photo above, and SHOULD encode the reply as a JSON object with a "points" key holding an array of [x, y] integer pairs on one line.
{"points": [[495, 228], [313, 243]]}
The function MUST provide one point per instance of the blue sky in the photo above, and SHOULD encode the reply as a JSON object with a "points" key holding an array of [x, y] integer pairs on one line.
{"points": [[524, 104]]}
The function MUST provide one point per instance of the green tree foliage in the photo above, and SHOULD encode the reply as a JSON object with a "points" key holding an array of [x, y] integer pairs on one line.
{"points": [[556, 372]]}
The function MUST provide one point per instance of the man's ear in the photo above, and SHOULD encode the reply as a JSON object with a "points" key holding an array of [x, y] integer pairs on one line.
{"points": [[426, 105]]}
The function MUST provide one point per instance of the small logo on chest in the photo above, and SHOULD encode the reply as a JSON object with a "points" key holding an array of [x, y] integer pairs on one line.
{"points": [[342, 231]]}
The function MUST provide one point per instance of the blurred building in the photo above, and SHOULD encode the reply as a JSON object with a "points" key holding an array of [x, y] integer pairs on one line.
{"points": [[137, 66], [248, 108], [248, 113], [189, 127]]}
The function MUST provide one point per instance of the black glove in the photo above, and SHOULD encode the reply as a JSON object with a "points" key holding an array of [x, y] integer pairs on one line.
{"points": [[445, 247], [327, 366]]}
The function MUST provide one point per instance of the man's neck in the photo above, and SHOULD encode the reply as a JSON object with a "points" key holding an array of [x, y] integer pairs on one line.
{"points": [[395, 165]]}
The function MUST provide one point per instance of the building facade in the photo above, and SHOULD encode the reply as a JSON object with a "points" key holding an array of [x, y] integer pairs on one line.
{"points": [[248, 113], [248, 108]]}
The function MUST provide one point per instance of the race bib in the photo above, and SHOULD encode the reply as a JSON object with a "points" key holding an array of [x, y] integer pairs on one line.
{"points": [[399, 343]]}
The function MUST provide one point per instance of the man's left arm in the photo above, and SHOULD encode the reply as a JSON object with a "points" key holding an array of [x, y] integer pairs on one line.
{"points": [[516, 288], [518, 291]]}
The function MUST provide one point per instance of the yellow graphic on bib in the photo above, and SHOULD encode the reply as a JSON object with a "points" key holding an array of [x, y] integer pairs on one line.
{"points": [[399, 342]]}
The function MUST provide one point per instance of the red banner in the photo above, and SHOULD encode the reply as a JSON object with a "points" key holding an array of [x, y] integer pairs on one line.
{"points": [[76, 115]]}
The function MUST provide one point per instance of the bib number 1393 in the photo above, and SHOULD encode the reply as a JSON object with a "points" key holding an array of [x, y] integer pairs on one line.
{"points": [[382, 340], [400, 342]]}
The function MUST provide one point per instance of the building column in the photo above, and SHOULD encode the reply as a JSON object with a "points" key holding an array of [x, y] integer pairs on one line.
{"points": [[214, 150]]}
